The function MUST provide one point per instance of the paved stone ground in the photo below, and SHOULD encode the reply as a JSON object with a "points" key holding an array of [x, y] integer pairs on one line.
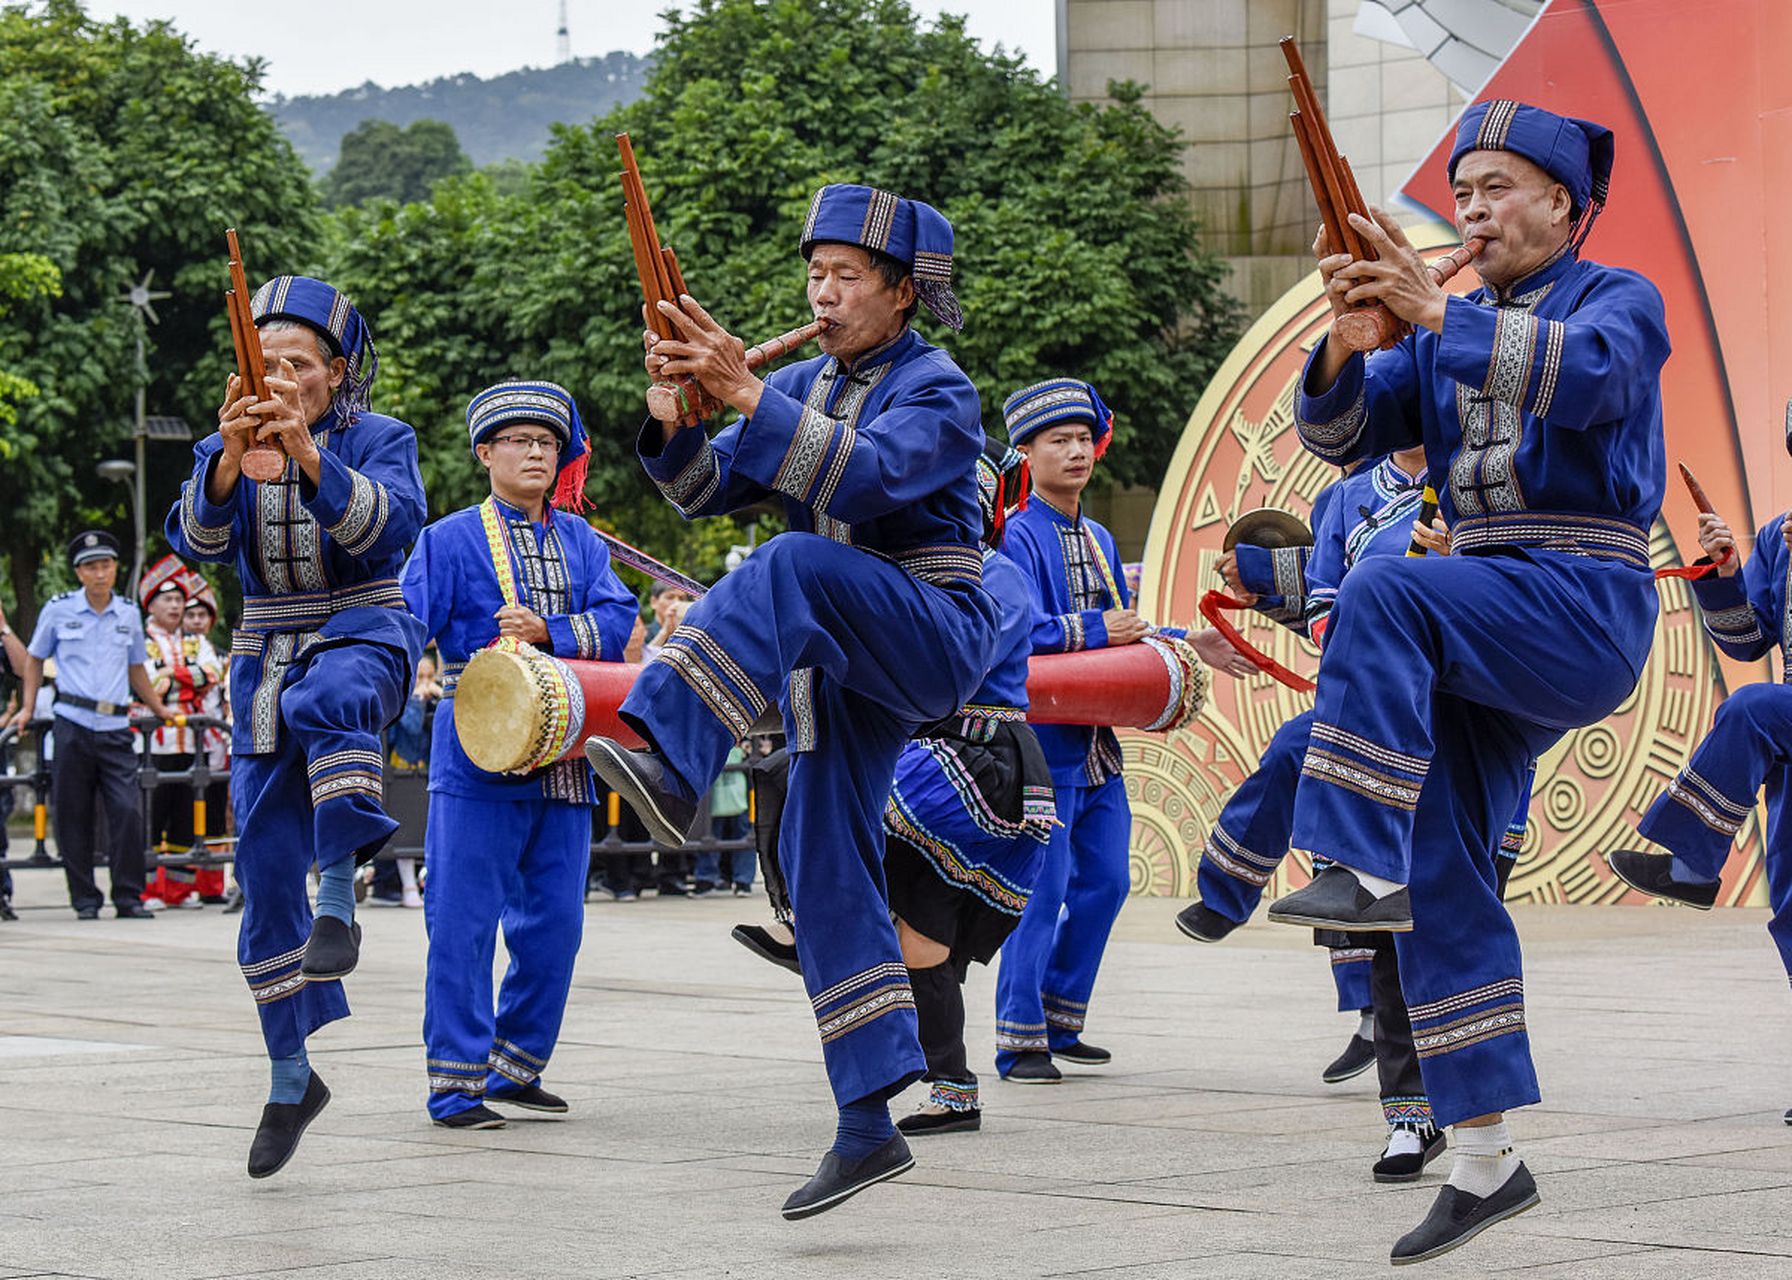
{"points": [[131, 1078]]}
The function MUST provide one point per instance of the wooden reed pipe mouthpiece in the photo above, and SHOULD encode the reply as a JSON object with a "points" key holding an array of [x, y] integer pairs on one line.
{"points": [[1378, 328], [668, 401]]}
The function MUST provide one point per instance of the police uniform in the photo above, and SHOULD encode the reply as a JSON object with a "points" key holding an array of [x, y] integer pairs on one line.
{"points": [[95, 768], [504, 849]]}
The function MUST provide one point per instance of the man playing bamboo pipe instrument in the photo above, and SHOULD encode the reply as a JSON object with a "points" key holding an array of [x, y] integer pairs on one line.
{"points": [[508, 848], [865, 622], [1748, 614], [321, 665], [1538, 402]]}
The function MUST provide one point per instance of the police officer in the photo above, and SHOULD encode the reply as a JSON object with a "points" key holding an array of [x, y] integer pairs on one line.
{"points": [[96, 638]]}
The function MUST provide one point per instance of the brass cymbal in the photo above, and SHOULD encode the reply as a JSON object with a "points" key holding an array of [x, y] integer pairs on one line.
{"points": [[1268, 527]]}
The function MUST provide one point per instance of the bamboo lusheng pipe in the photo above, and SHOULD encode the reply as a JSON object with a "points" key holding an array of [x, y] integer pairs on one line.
{"points": [[662, 281], [665, 399], [261, 462]]}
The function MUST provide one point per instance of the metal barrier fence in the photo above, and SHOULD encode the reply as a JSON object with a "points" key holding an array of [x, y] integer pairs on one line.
{"points": [[406, 799]]}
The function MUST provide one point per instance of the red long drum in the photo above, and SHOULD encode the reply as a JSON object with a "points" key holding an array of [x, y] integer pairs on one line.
{"points": [[517, 709]]}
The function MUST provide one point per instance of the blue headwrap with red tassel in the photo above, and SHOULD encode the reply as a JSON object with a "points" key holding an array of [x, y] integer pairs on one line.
{"points": [[552, 406]]}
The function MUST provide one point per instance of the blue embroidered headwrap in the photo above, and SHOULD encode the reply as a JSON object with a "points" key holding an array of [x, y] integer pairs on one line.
{"points": [[1002, 486], [1032, 409], [321, 307], [552, 406], [1576, 153], [909, 231]]}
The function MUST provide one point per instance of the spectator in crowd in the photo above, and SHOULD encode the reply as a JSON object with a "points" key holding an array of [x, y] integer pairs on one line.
{"points": [[97, 641], [728, 821], [184, 668], [669, 604], [394, 882], [12, 668], [198, 620]]}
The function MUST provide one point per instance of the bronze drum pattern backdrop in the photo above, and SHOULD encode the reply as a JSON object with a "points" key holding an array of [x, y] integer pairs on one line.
{"points": [[1240, 451]]}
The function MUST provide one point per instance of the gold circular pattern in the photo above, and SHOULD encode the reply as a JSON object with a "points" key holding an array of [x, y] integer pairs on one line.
{"points": [[1240, 452]]}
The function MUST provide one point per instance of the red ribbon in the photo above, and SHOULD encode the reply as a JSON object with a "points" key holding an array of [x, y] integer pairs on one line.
{"points": [[1211, 604], [1692, 572]]}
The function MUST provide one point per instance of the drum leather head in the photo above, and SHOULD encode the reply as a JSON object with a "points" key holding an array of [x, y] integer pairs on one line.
{"points": [[497, 710], [1268, 527]]}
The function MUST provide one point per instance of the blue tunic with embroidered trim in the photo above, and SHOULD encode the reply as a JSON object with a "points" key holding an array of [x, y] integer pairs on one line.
{"points": [[1277, 576], [1444, 677], [318, 564], [1701, 812], [1071, 593], [936, 805], [562, 572], [321, 665], [864, 622], [505, 850]]}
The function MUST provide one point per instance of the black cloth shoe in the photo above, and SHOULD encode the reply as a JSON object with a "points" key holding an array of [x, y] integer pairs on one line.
{"points": [[1358, 1057], [1456, 1217], [838, 1179], [759, 940], [282, 1125], [6, 911], [87, 913], [132, 911], [1407, 1166], [479, 1117], [1202, 923], [1652, 873], [1033, 1068], [1337, 900], [530, 1097], [941, 1120], [1789, 1117], [1084, 1055], [639, 777], [333, 950]]}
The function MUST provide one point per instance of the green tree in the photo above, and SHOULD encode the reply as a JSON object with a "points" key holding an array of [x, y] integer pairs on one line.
{"points": [[124, 150], [22, 276], [1075, 254], [381, 161]]}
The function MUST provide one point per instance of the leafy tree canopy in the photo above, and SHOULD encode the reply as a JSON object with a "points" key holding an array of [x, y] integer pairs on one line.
{"points": [[124, 150], [382, 161], [1074, 253]]}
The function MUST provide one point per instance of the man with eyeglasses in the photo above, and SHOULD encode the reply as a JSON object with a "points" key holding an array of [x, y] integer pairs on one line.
{"points": [[510, 849]]}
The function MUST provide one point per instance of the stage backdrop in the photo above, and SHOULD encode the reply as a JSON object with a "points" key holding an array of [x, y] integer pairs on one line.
{"points": [[1697, 173]]}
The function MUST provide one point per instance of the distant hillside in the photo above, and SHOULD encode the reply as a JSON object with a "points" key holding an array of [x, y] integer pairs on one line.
{"points": [[501, 118]]}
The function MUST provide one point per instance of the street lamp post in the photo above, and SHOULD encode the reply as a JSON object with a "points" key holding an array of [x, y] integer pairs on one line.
{"points": [[124, 472], [141, 299]]}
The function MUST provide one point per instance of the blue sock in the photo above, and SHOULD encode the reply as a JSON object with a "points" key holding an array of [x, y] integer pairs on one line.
{"points": [[1679, 873], [291, 1076], [336, 890], [864, 1127]]}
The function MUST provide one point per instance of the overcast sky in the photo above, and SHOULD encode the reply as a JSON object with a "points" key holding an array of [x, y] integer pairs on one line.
{"points": [[320, 46]]}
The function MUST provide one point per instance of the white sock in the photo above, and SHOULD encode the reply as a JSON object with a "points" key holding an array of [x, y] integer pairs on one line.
{"points": [[1365, 1027], [1403, 1142], [1374, 884], [1484, 1158], [407, 874]]}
